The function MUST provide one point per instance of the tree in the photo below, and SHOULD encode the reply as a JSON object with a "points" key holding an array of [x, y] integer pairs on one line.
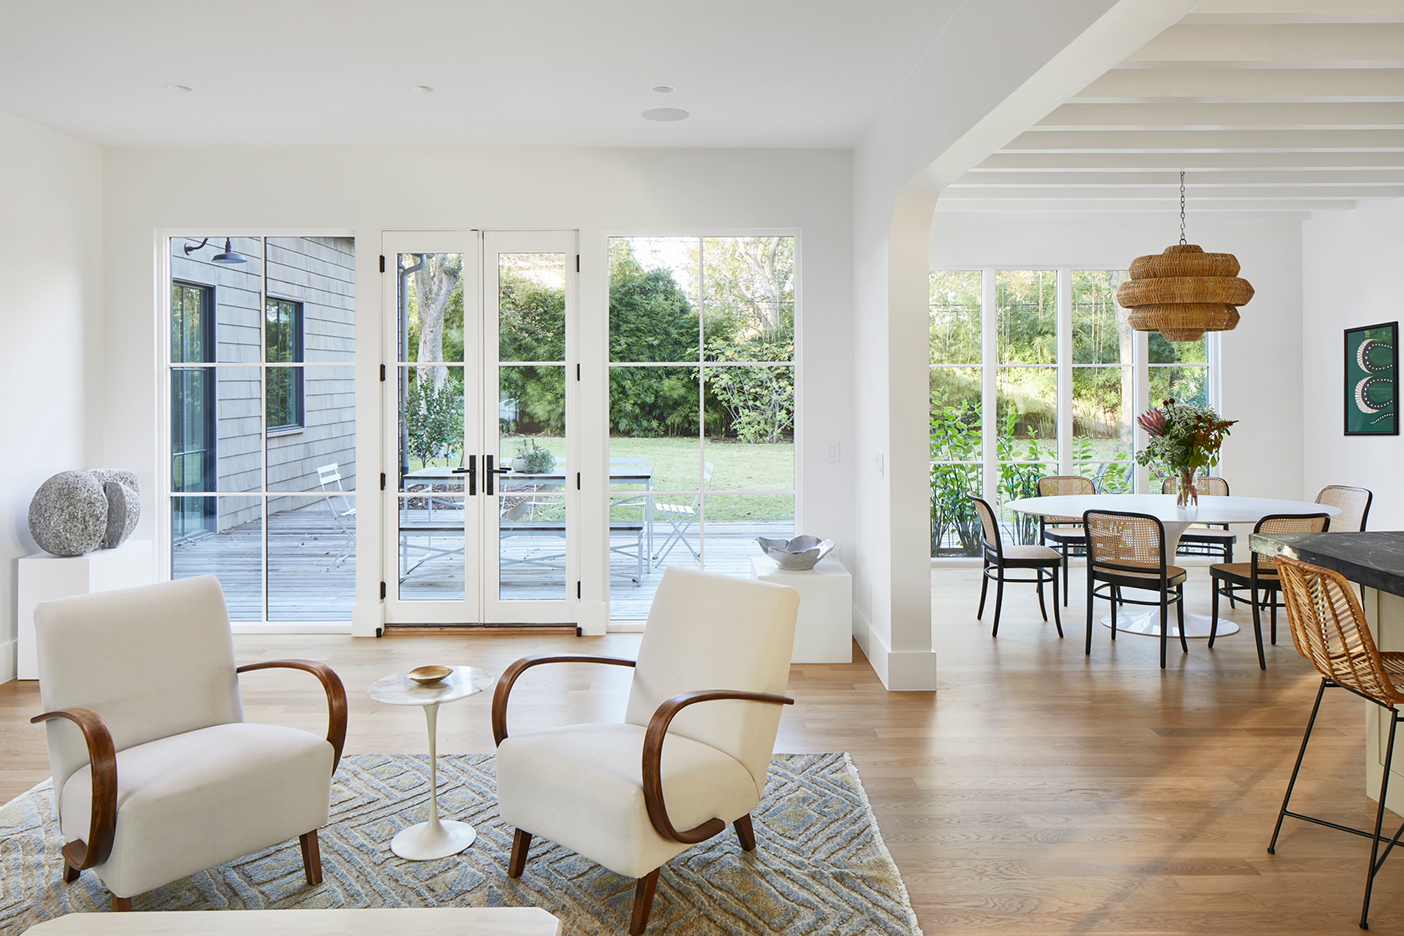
{"points": [[433, 289], [650, 320]]}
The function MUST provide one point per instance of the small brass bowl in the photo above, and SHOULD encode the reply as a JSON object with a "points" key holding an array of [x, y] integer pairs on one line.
{"points": [[428, 675]]}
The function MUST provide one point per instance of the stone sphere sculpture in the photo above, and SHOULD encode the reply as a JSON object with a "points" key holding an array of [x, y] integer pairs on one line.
{"points": [[123, 504], [68, 515]]}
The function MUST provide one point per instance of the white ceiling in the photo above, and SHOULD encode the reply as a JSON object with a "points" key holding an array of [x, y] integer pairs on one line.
{"points": [[1270, 106], [755, 73]]}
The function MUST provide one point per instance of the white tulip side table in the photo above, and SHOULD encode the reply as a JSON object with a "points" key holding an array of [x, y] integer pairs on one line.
{"points": [[435, 838]]}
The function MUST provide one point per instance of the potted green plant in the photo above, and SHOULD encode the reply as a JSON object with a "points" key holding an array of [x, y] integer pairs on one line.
{"points": [[533, 459], [1184, 439]]}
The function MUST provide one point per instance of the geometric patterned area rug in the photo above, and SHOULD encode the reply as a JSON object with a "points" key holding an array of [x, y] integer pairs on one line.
{"points": [[820, 867]]}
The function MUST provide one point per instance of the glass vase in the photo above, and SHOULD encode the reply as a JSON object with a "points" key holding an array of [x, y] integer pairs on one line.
{"points": [[1186, 494]]}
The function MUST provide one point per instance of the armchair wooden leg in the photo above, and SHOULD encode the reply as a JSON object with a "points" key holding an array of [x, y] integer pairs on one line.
{"points": [[70, 873], [517, 862], [643, 902], [745, 832], [311, 857], [121, 904]]}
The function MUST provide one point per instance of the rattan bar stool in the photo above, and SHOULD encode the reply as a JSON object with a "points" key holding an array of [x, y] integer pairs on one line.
{"points": [[1259, 576], [998, 557], [1127, 550], [1065, 533], [1201, 539], [1329, 629]]}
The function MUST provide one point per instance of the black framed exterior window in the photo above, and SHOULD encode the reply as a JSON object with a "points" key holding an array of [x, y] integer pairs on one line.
{"points": [[283, 327], [193, 409]]}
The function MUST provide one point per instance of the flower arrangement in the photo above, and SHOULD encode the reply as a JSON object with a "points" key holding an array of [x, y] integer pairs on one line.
{"points": [[1184, 439]]}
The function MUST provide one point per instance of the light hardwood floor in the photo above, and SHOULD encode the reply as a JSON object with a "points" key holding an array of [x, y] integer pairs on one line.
{"points": [[1037, 792]]}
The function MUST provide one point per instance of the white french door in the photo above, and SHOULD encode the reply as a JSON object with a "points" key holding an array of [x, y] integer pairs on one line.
{"points": [[483, 382]]}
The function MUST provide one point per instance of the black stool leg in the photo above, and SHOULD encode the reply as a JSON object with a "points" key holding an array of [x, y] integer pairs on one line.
{"points": [[1258, 630], [1272, 846], [1379, 820]]}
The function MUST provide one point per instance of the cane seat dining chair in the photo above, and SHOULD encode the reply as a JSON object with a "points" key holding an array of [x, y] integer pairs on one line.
{"points": [[693, 750], [1329, 629], [158, 776], [1258, 576], [1065, 533], [1127, 550], [1354, 503], [998, 558], [1203, 539]]}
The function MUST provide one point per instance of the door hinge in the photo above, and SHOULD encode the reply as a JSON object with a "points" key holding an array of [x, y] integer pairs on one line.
{"points": [[382, 263], [577, 591], [577, 480], [382, 591], [577, 372], [577, 263], [382, 373], [382, 480]]}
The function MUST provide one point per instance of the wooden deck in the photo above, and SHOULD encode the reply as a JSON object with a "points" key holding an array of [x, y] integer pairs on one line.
{"points": [[312, 564]]}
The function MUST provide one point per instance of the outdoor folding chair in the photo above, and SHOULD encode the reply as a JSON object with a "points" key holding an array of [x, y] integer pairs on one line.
{"points": [[682, 517], [329, 477]]}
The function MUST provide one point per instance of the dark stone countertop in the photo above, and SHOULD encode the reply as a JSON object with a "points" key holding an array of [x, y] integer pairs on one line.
{"points": [[1375, 560]]}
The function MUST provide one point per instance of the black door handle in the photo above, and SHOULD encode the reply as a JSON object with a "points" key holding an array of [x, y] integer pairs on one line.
{"points": [[489, 471], [472, 471]]}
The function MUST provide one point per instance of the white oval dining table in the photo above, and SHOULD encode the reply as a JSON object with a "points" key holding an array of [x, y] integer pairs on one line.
{"points": [[1211, 509]]}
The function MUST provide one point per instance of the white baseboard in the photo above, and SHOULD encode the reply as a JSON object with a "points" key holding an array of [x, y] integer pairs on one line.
{"points": [[899, 670], [9, 654], [625, 627]]}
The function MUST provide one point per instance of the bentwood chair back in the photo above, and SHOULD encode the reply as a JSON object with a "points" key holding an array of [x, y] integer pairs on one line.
{"points": [[1127, 550], [1065, 533], [998, 558], [1329, 629], [1354, 503], [1201, 539], [1258, 576]]}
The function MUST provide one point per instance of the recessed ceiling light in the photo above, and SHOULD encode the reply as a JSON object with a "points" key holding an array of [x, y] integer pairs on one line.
{"points": [[665, 114], [179, 87], [420, 88], [663, 89]]}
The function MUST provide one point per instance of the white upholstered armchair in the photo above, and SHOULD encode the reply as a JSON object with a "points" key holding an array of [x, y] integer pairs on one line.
{"points": [[156, 773], [694, 748]]}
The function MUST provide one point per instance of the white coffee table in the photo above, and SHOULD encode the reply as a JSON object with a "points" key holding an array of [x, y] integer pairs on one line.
{"points": [[435, 838], [1211, 509]]}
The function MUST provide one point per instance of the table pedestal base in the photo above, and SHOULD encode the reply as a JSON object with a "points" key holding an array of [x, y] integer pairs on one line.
{"points": [[434, 839], [1147, 623]]}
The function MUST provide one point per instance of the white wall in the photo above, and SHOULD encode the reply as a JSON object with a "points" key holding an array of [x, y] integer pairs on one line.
{"points": [[1261, 374], [51, 329], [1352, 275], [597, 192]]}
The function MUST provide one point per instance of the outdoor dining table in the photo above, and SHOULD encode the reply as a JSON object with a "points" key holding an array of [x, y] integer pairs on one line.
{"points": [[1211, 509], [640, 475]]}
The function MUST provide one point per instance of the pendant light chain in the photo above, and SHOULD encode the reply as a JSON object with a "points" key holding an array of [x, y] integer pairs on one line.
{"points": [[1182, 207]]}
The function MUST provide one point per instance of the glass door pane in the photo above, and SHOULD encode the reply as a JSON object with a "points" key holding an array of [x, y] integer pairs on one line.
{"points": [[432, 508], [532, 569]]}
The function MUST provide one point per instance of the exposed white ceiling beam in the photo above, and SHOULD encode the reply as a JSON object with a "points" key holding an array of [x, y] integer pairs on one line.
{"points": [[1199, 178], [1200, 194], [1177, 161], [1182, 116], [1141, 206], [1207, 141], [1228, 85], [1276, 42], [1228, 12]]}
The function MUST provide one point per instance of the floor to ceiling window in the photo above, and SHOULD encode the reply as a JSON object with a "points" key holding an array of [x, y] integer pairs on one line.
{"points": [[262, 468], [1068, 378], [701, 406]]}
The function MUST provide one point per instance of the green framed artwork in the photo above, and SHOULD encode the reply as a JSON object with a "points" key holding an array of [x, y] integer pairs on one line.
{"points": [[1372, 380]]}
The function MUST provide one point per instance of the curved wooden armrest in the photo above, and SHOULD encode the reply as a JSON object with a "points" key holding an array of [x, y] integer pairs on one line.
{"points": [[336, 697], [653, 759], [102, 825], [509, 676]]}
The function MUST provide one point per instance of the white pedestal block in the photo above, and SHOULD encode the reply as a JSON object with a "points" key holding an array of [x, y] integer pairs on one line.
{"points": [[44, 577], [824, 628]]}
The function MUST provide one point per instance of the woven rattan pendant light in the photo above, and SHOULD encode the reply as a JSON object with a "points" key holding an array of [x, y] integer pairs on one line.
{"points": [[1183, 292]]}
